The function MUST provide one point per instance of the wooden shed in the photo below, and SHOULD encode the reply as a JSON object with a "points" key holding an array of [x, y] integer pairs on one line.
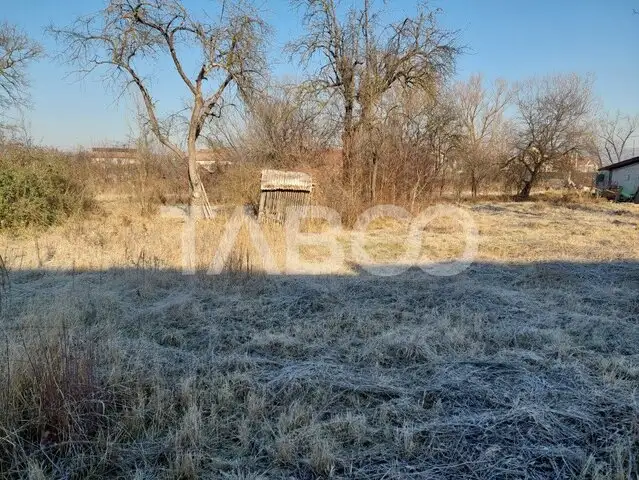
{"points": [[280, 190]]}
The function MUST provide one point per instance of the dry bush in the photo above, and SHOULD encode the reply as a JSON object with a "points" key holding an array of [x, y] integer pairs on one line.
{"points": [[234, 185], [286, 129], [568, 197], [39, 188], [153, 180], [52, 403], [330, 192], [158, 179]]}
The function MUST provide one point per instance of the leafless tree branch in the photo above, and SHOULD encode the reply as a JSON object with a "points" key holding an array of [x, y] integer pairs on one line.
{"points": [[128, 36], [362, 60], [16, 52]]}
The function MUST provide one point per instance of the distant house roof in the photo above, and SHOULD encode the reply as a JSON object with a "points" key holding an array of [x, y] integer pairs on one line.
{"points": [[624, 163], [114, 149], [113, 153], [207, 156], [280, 180]]}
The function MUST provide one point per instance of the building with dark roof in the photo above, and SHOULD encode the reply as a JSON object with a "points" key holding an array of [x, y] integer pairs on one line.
{"points": [[623, 175]]}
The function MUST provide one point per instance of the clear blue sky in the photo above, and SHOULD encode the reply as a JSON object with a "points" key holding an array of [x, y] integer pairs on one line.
{"points": [[511, 39]]}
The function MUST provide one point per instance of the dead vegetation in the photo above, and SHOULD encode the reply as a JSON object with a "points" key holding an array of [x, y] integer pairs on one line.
{"points": [[114, 364]]}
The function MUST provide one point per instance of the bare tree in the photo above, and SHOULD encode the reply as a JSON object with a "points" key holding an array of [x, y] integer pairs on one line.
{"points": [[361, 60], [286, 128], [16, 52], [431, 127], [553, 123], [483, 128], [613, 136], [411, 145], [129, 36]]}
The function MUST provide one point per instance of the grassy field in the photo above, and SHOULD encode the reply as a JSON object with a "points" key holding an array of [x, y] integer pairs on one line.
{"points": [[526, 365]]}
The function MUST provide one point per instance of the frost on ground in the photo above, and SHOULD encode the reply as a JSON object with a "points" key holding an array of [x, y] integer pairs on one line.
{"points": [[522, 368]]}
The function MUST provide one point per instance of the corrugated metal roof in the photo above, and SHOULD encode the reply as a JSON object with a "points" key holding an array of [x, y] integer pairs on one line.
{"points": [[623, 163], [280, 180]]}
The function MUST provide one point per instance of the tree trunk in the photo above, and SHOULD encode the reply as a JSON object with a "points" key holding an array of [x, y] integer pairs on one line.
{"points": [[347, 146], [473, 185], [413, 195], [524, 193], [374, 179], [195, 183]]}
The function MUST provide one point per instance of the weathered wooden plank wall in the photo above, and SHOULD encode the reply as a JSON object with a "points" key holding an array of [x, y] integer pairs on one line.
{"points": [[274, 203], [281, 190]]}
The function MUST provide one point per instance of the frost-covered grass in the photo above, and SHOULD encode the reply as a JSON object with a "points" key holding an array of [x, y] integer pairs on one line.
{"points": [[114, 364]]}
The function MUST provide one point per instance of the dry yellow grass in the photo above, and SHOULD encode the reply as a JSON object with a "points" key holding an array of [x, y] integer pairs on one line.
{"points": [[520, 232], [115, 365]]}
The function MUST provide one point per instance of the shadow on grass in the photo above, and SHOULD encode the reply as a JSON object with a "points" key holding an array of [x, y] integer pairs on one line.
{"points": [[504, 371]]}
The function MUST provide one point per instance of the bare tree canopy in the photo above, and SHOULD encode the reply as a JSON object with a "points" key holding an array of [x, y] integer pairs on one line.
{"points": [[419, 135], [16, 52], [554, 120], [285, 128], [484, 129], [129, 36], [613, 137], [362, 59]]}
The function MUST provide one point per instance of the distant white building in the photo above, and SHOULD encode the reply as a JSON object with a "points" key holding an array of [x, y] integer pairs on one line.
{"points": [[623, 175], [208, 159], [115, 155]]}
